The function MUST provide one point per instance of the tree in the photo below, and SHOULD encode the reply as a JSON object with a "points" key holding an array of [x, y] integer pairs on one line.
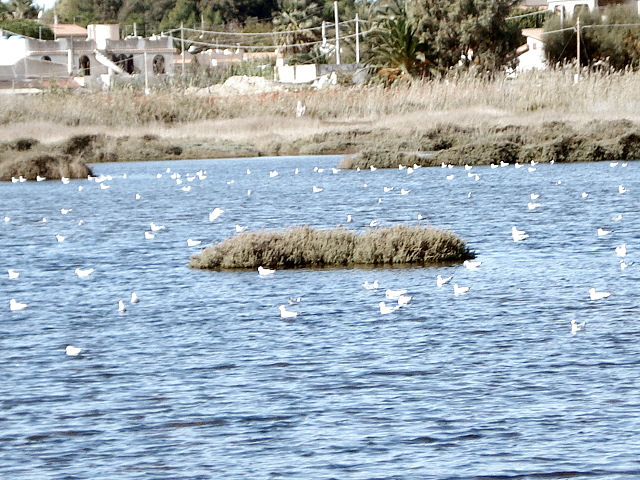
{"points": [[294, 18], [185, 11], [26, 27], [76, 11], [22, 9], [394, 43], [472, 31]]}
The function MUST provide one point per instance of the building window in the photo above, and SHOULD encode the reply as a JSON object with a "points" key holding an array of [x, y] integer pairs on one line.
{"points": [[158, 65], [84, 66], [46, 58]]}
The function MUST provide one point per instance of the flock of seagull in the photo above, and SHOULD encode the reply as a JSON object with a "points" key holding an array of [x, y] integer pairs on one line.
{"points": [[394, 299]]}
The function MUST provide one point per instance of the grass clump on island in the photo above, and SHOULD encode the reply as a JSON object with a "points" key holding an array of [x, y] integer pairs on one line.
{"points": [[305, 247]]}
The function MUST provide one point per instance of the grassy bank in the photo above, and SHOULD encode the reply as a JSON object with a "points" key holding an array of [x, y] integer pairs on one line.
{"points": [[305, 247], [540, 116]]}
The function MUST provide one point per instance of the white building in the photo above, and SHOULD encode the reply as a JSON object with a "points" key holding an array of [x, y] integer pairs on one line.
{"points": [[572, 7], [531, 55], [102, 52]]}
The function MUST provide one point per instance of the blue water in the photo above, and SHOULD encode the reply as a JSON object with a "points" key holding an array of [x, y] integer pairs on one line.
{"points": [[203, 379]]}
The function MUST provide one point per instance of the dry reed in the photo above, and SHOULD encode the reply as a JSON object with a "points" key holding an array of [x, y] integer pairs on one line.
{"points": [[300, 247]]}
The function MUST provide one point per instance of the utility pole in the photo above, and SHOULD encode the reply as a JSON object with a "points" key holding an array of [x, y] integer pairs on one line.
{"points": [[146, 75], [182, 46], [577, 79], [335, 11], [357, 39]]}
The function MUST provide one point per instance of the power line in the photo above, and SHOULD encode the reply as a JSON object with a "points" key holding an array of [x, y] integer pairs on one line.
{"points": [[539, 12]]}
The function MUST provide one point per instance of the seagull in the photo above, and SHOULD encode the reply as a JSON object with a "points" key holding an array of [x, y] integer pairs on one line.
{"points": [[371, 286], [15, 306], [80, 188], [84, 273], [386, 309], [273, 173], [248, 171], [617, 218], [602, 232], [296, 171], [517, 165], [404, 300], [387, 189], [533, 206], [317, 189], [621, 251], [379, 201], [215, 214], [138, 196], [450, 177], [410, 170], [134, 298], [374, 223], [468, 167], [60, 238], [158, 175], [294, 301], [40, 179], [44, 220], [334, 170], [231, 182], [531, 169], [121, 307], [471, 265], [103, 186], [613, 164], [534, 196], [240, 228], [7, 219], [156, 228], [263, 272], [193, 243], [13, 274], [503, 164], [394, 294], [584, 194], [349, 219], [621, 189], [518, 235], [576, 327], [186, 189], [624, 264], [493, 166], [284, 313], [300, 109], [440, 280], [597, 295], [459, 290], [401, 167], [404, 192], [72, 351], [372, 168], [65, 211], [64, 180], [149, 235], [80, 222]]}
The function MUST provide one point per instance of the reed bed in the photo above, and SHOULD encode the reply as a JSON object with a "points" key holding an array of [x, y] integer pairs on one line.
{"points": [[52, 167], [301, 247], [612, 93]]}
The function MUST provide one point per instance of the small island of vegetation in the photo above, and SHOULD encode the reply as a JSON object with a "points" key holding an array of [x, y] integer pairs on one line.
{"points": [[306, 247]]}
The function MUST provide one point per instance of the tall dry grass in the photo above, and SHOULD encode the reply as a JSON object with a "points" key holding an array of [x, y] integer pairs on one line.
{"points": [[552, 92], [306, 247]]}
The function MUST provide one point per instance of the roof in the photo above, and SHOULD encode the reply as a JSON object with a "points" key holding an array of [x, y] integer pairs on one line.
{"points": [[535, 33], [68, 30]]}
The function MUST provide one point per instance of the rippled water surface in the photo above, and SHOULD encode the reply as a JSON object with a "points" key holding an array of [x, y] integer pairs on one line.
{"points": [[203, 379]]}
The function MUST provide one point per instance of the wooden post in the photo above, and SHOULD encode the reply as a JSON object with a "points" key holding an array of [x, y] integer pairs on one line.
{"points": [[182, 46], [146, 75], [335, 11], [357, 39], [577, 79]]}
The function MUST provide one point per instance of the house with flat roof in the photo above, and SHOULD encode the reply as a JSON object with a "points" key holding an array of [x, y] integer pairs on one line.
{"points": [[98, 52]]}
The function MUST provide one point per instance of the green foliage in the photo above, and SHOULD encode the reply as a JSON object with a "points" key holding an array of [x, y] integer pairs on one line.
{"points": [[615, 47], [22, 9], [301, 247], [467, 32], [395, 42], [184, 12], [26, 27], [293, 16], [532, 21]]}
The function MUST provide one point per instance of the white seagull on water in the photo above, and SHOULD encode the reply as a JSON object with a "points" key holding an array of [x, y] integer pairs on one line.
{"points": [[440, 280], [284, 313], [593, 295], [72, 351], [15, 306], [263, 272], [387, 309], [576, 327], [84, 273]]}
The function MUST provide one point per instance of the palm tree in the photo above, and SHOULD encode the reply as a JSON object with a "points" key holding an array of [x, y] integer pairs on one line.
{"points": [[22, 9], [293, 17]]}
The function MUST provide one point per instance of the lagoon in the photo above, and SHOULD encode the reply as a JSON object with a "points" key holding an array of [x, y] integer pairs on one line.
{"points": [[203, 379]]}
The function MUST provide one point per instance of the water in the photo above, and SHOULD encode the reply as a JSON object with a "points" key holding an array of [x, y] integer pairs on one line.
{"points": [[202, 379]]}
